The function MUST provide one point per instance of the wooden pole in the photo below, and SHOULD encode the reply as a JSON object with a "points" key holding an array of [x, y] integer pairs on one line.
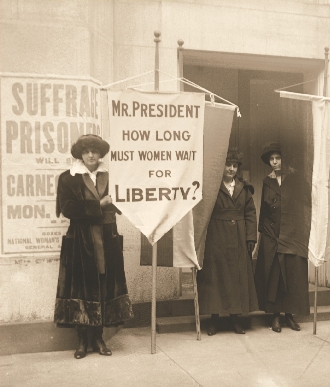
{"points": [[193, 269], [325, 92], [198, 325], [153, 298], [180, 64], [315, 299], [157, 40], [326, 64], [154, 247], [180, 88]]}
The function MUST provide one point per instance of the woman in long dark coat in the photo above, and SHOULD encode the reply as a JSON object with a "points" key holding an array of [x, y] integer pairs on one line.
{"points": [[225, 283], [281, 275], [92, 290]]}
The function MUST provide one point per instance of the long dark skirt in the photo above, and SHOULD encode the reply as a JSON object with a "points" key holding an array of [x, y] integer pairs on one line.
{"points": [[287, 287], [226, 284]]}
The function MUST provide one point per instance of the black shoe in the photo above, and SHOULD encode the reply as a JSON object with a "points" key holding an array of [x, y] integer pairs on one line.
{"points": [[291, 323], [276, 325], [98, 343], [213, 325], [81, 350], [236, 324]]}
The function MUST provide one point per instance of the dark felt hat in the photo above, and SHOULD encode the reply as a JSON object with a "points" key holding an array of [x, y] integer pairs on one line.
{"points": [[89, 141], [273, 147], [234, 156]]}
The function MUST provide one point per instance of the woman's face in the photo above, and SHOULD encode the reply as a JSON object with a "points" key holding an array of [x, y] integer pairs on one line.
{"points": [[275, 161], [91, 158], [230, 170]]}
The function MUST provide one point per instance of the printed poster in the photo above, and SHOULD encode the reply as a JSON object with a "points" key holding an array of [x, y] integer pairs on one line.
{"points": [[41, 117]]}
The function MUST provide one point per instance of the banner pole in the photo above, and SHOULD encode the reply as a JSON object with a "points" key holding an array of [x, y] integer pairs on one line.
{"points": [[193, 269], [157, 40], [197, 320], [325, 92], [326, 64], [153, 298], [315, 299], [154, 247]]}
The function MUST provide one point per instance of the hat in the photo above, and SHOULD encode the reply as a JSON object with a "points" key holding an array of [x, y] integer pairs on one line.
{"points": [[273, 147], [234, 156], [89, 141]]}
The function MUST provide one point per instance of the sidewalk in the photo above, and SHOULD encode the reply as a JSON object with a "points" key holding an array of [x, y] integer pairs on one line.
{"points": [[258, 358]]}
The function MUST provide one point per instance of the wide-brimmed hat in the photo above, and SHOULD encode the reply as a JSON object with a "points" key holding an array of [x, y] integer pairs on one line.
{"points": [[89, 141], [234, 156], [273, 147]]}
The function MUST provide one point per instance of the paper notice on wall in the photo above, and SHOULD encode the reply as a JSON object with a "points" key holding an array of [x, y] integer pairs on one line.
{"points": [[40, 119], [156, 157]]}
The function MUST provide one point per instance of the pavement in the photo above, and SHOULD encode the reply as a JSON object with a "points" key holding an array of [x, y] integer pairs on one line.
{"points": [[261, 357]]}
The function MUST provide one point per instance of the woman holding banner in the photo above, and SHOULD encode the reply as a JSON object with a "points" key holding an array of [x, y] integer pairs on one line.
{"points": [[225, 284], [281, 275], [92, 290]]}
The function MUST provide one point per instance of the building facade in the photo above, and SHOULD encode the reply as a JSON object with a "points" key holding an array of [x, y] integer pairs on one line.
{"points": [[239, 50]]}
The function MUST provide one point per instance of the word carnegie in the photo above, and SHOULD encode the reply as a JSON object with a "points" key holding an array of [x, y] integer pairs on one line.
{"points": [[151, 194], [153, 110]]}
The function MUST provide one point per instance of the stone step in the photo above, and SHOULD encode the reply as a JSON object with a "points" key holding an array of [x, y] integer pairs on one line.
{"points": [[256, 319], [323, 295], [184, 306]]}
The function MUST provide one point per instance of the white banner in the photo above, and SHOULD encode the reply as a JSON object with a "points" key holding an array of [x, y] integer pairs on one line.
{"points": [[319, 240], [156, 157], [41, 116]]}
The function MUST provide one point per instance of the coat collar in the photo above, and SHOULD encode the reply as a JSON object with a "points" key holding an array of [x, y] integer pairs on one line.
{"points": [[101, 184], [237, 190], [89, 184], [273, 184]]}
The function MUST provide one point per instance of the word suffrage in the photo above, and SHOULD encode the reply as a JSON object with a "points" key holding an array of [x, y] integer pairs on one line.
{"points": [[41, 117], [156, 157]]}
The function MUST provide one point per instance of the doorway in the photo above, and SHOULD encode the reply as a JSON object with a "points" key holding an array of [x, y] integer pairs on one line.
{"points": [[253, 91]]}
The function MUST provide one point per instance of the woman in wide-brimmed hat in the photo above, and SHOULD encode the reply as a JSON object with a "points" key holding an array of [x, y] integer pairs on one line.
{"points": [[225, 283], [281, 275], [92, 290]]}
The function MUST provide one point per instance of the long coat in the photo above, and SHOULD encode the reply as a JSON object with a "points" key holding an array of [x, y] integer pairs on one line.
{"points": [[281, 275], [225, 283], [78, 297]]}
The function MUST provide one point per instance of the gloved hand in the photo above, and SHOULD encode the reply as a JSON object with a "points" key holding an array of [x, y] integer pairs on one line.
{"points": [[250, 247], [105, 200]]}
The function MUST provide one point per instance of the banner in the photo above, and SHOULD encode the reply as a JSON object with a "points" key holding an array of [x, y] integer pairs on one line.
{"points": [[217, 129], [41, 116], [156, 157], [319, 239], [183, 245]]}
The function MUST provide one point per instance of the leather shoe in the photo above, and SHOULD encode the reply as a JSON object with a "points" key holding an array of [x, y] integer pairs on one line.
{"points": [[276, 325], [236, 324], [99, 346], [98, 343], [211, 330], [213, 325], [81, 350], [291, 323]]}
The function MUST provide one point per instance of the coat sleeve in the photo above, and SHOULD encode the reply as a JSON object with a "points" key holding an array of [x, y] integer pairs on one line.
{"points": [[263, 208], [250, 218], [72, 206]]}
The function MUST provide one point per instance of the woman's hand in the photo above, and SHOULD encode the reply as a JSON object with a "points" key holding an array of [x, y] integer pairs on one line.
{"points": [[106, 200], [250, 247]]}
